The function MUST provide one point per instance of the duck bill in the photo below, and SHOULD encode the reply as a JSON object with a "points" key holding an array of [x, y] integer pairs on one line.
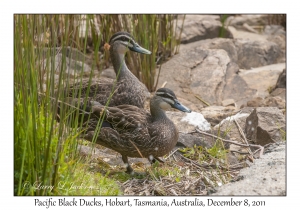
{"points": [[137, 48], [179, 106]]}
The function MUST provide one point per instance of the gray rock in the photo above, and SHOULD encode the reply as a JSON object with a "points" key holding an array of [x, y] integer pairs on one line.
{"points": [[281, 92], [265, 125], [281, 82], [199, 27], [274, 30], [241, 34], [256, 102], [199, 139], [253, 54], [229, 127], [73, 64], [275, 102], [217, 43], [270, 101], [215, 114], [207, 74], [108, 73], [249, 28], [107, 155], [263, 79], [228, 102], [266, 176], [189, 140], [236, 87], [238, 21], [208, 78], [69, 52], [208, 71]]}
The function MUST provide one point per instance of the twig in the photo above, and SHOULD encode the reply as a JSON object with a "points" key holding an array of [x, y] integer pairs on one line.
{"points": [[174, 157], [192, 162], [233, 142], [242, 153], [206, 103], [164, 84], [172, 153], [243, 135]]}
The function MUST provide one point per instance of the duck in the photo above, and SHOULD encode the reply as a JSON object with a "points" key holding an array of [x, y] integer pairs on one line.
{"points": [[133, 131], [127, 89]]}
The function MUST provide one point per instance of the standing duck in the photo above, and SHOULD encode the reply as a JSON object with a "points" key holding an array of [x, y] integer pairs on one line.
{"points": [[128, 89], [133, 132]]}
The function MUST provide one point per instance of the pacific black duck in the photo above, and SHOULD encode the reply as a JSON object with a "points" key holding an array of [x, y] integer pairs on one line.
{"points": [[134, 132], [128, 89]]}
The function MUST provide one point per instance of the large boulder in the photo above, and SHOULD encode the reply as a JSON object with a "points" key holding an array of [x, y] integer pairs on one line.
{"points": [[204, 73], [74, 64], [238, 21], [265, 177], [253, 54], [262, 79], [199, 27]]}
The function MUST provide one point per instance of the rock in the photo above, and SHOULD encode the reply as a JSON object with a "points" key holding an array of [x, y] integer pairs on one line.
{"points": [[199, 27], [189, 140], [228, 102], [217, 43], [262, 79], [265, 125], [281, 92], [252, 54], [246, 35], [256, 102], [199, 139], [190, 74], [229, 127], [274, 30], [73, 64], [209, 70], [207, 78], [107, 155], [249, 28], [281, 82], [246, 53], [215, 114], [270, 101], [265, 177], [238, 21], [108, 73], [276, 34], [188, 122], [275, 102], [236, 87], [70, 52]]}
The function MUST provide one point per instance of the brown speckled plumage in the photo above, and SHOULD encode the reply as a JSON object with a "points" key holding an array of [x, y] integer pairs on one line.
{"points": [[128, 89], [133, 132]]}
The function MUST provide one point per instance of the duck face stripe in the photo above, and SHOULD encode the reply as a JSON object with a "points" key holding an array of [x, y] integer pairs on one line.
{"points": [[165, 95], [122, 37]]}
